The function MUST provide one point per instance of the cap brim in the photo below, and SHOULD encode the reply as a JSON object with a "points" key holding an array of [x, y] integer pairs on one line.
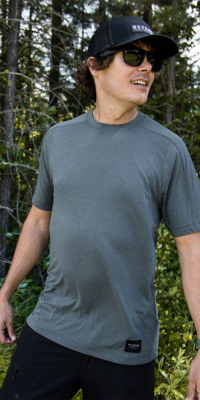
{"points": [[164, 45]]}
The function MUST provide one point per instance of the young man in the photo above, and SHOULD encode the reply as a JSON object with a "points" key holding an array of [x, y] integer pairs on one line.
{"points": [[106, 180]]}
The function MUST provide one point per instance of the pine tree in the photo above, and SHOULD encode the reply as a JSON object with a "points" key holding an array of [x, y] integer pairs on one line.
{"points": [[9, 122]]}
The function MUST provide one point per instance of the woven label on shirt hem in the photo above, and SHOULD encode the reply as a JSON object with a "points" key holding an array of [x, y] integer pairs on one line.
{"points": [[133, 346]]}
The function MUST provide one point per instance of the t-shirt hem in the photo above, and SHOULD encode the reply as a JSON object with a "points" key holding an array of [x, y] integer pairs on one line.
{"points": [[185, 230], [42, 206], [89, 351]]}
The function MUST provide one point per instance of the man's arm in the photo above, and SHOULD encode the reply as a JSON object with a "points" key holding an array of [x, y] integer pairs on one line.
{"points": [[32, 242], [189, 256]]}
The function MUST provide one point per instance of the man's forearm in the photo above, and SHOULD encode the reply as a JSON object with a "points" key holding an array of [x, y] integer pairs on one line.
{"points": [[191, 284], [190, 266], [189, 257], [32, 242]]}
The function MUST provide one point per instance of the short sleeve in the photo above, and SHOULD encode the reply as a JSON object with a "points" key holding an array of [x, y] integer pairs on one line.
{"points": [[181, 192], [43, 196]]}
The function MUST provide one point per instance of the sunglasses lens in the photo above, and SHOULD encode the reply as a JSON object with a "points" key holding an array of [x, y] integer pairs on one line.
{"points": [[133, 57], [157, 65]]}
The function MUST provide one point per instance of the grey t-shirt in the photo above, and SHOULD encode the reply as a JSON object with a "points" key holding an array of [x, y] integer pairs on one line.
{"points": [[108, 187]]}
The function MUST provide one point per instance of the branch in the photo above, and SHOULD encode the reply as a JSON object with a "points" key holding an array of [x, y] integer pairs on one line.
{"points": [[10, 211], [18, 165], [6, 208]]}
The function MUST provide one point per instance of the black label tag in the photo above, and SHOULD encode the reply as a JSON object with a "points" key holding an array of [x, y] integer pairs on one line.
{"points": [[133, 346]]}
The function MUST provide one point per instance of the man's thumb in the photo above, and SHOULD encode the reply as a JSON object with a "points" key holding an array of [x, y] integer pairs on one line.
{"points": [[11, 333]]}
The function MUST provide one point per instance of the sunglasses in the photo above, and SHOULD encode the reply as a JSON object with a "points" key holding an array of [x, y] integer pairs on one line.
{"points": [[134, 56]]}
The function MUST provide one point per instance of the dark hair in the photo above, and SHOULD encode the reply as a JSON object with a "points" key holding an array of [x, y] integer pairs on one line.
{"points": [[85, 78]]}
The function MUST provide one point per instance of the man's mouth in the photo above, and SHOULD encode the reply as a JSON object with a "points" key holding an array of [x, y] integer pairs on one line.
{"points": [[139, 82]]}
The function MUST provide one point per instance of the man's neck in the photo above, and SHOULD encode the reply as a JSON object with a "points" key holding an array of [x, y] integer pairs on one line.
{"points": [[113, 115]]}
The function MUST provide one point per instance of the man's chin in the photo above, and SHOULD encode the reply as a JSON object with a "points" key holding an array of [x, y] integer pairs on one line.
{"points": [[142, 101]]}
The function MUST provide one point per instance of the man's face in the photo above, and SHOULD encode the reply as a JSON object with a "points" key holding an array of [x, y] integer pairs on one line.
{"points": [[125, 84]]}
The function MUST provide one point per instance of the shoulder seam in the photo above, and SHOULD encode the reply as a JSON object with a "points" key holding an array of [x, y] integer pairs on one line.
{"points": [[165, 136]]}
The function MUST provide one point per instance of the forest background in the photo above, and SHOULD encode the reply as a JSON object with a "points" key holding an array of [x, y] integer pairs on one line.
{"points": [[41, 43]]}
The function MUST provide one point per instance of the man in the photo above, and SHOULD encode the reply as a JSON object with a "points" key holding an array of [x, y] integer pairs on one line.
{"points": [[106, 180]]}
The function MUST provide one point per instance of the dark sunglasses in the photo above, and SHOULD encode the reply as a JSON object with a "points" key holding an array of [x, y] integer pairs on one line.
{"points": [[134, 56]]}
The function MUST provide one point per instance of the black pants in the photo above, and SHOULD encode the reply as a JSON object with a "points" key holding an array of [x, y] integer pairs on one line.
{"points": [[42, 369]]}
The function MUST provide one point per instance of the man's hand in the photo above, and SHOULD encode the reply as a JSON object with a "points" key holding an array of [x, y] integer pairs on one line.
{"points": [[7, 333], [194, 379], [32, 242]]}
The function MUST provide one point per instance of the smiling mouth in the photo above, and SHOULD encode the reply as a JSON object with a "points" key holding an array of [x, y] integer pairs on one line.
{"points": [[139, 82]]}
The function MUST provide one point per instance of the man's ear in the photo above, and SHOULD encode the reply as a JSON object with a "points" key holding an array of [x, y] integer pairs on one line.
{"points": [[91, 64]]}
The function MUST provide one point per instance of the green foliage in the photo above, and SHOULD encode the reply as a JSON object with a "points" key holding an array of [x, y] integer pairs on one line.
{"points": [[177, 331], [78, 395], [23, 302], [173, 383], [6, 354]]}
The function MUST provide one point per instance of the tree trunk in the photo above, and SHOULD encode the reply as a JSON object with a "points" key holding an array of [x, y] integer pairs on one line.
{"points": [[147, 16], [8, 124], [56, 53], [3, 52], [171, 90], [171, 81], [100, 16], [171, 69]]}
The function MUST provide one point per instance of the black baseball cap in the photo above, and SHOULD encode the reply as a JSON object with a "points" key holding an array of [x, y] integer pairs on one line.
{"points": [[117, 32]]}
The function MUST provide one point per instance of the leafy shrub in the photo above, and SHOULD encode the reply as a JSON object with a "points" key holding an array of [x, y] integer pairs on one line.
{"points": [[172, 373], [177, 331], [6, 354]]}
